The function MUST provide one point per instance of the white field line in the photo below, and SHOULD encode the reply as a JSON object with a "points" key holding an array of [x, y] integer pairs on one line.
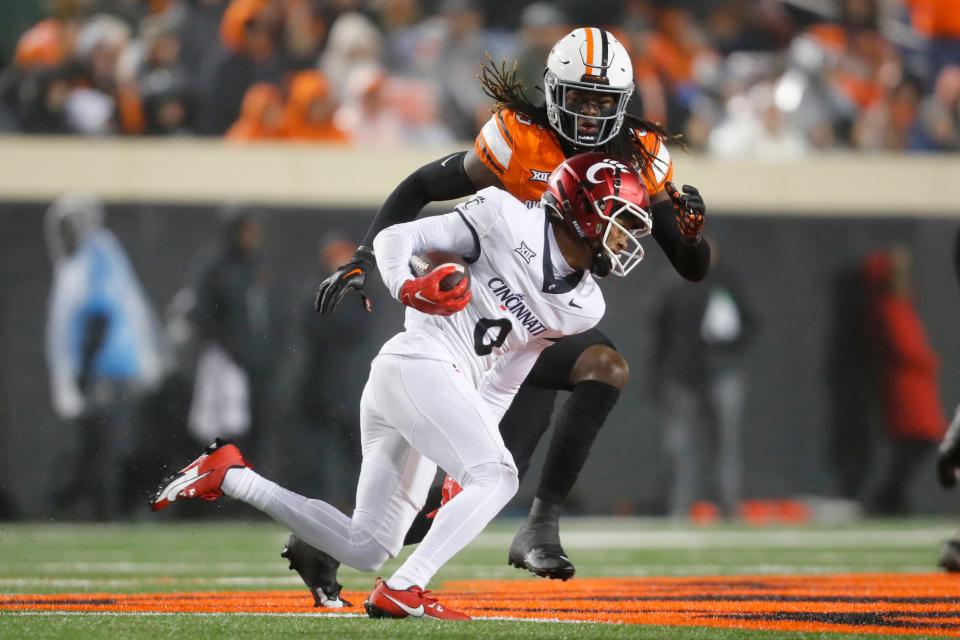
{"points": [[780, 539], [169, 614], [86, 583]]}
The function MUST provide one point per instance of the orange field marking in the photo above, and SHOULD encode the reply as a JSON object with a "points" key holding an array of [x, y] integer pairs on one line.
{"points": [[862, 603]]}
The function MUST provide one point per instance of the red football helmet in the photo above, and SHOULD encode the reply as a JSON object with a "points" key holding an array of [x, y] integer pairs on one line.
{"points": [[595, 193]]}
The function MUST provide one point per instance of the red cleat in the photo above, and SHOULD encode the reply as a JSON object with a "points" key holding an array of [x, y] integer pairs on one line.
{"points": [[202, 477], [414, 602], [448, 491]]}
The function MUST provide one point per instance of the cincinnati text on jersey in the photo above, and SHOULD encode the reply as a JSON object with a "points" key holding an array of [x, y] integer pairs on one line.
{"points": [[513, 302]]}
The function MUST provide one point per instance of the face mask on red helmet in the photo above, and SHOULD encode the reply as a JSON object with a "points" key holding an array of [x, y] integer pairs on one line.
{"points": [[600, 197]]}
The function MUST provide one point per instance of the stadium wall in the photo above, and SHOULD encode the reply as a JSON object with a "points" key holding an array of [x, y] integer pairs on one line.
{"points": [[776, 225]]}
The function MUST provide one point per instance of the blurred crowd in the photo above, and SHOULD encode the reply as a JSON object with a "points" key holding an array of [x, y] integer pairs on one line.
{"points": [[768, 78]]}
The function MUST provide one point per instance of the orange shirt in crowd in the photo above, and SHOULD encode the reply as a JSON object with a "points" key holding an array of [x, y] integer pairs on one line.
{"points": [[261, 115], [235, 20], [42, 45], [936, 18], [309, 111]]}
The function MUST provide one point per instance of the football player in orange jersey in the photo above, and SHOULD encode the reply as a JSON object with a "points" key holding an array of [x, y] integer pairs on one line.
{"points": [[588, 82]]}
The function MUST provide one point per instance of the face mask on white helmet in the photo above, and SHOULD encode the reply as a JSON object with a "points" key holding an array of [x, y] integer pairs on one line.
{"points": [[588, 81]]}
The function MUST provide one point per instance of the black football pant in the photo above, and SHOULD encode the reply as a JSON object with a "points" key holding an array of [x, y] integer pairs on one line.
{"points": [[527, 419]]}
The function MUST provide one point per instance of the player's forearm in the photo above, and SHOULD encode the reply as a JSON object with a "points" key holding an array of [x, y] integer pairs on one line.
{"points": [[692, 261], [443, 179], [394, 245]]}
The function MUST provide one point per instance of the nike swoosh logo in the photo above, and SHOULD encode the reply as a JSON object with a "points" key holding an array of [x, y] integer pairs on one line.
{"points": [[416, 613], [175, 487], [574, 304], [419, 296], [448, 159]]}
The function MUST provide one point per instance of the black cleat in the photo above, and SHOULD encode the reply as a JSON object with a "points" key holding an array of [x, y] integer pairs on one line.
{"points": [[546, 560], [950, 555], [318, 571], [536, 547]]}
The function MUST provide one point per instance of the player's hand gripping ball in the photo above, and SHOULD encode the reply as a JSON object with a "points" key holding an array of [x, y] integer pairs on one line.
{"points": [[690, 209], [440, 290]]}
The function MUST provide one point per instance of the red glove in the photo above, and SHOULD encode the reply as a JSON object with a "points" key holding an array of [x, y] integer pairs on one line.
{"points": [[690, 210], [448, 491], [425, 294]]}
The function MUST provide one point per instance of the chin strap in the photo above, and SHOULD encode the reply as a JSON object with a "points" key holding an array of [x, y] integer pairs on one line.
{"points": [[602, 265]]}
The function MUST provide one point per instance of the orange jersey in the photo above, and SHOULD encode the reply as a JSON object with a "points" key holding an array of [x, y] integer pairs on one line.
{"points": [[523, 154]]}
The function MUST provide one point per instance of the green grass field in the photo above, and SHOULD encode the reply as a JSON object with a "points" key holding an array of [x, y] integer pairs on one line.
{"points": [[244, 556]]}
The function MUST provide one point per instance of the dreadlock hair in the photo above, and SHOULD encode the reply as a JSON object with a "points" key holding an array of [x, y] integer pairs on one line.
{"points": [[500, 83]]}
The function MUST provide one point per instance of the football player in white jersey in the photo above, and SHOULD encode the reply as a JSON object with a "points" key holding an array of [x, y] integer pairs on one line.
{"points": [[437, 391]]}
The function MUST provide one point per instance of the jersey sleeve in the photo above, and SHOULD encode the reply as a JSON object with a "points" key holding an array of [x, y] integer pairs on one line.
{"points": [[660, 169], [458, 232], [495, 144]]}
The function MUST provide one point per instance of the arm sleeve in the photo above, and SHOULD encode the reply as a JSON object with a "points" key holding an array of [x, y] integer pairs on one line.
{"points": [[458, 232], [443, 179], [501, 384], [692, 261], [65, 302]]}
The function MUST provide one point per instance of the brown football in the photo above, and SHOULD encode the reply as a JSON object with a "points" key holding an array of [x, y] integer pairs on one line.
{"points": [[423, 263]]}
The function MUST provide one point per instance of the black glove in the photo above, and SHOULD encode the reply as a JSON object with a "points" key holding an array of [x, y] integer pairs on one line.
{"points": [[690, 209], [352, 275], [948, 455]]}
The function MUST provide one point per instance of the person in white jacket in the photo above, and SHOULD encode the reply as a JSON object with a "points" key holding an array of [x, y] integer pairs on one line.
{"points": [[103, 348], [437, 390]]}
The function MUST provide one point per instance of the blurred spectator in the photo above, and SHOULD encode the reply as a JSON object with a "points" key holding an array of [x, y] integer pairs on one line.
{"points": [[701, 332], [891, 122], [454, 47], [354, 43], [329, 389], [249, 33], [197, 27], [379, 110], [400, 21], [154, 88], [303, 33], [541, 25], [756, 128], [91, 106], [913, 416], [940, 114], [261, 117], [41, 101], [103, 350], [235, 317], [939, 22], [806, 96], [309, 112], [850, 74]]}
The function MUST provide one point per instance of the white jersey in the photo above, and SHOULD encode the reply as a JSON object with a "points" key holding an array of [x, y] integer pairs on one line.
{"points": [[525, 296]]}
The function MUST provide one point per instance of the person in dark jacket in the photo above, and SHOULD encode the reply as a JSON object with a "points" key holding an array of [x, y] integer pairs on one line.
{"points": [[335, 365], [701, 335], [234, 317]]}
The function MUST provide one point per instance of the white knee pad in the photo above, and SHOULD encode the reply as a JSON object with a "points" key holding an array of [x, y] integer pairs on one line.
{"points": [[366, 554], [498, 477]]}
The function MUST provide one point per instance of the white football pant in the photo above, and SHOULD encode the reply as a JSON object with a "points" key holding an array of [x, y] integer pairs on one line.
{"points": [[415, 415]]}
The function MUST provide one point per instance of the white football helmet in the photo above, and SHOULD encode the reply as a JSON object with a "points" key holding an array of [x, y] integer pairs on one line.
{"points": [[587, 59]]}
